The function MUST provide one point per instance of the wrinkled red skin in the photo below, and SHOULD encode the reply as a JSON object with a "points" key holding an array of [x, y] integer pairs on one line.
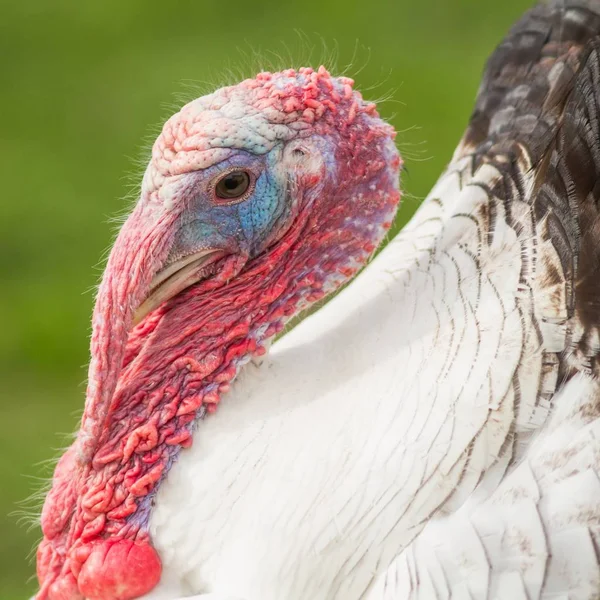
{"points": [[149, 385]]}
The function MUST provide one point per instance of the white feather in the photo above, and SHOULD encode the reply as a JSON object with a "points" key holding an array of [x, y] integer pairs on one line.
{"points": [[534, 538], [385, 406]]}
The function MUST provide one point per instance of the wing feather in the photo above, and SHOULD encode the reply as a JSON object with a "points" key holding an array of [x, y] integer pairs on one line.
{"points": [[537, 122]]}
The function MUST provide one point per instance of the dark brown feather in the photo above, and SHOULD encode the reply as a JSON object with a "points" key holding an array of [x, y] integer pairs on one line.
{"points": [[538, 112]]}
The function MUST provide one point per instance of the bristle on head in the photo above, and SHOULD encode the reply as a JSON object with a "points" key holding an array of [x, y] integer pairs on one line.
{"points": [[255, 115]]}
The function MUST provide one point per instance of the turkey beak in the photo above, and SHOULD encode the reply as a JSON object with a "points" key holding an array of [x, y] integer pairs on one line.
{"points": [[176, 277]]}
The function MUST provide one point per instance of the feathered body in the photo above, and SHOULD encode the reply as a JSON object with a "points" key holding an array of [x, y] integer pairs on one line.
{"points": [[444, 408]]}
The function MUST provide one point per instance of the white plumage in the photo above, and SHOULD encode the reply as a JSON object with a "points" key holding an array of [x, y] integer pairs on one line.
{"points": [[367, 418], [534, 537]]}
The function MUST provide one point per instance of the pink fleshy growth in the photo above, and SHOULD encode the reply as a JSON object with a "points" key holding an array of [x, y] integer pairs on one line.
{"points": [[119, 569], [148, 384]]}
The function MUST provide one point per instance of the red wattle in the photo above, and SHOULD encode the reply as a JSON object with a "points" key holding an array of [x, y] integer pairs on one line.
{"points": [[119, 570]]}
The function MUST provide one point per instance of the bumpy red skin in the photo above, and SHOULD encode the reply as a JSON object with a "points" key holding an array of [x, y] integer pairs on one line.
{"points": [[149, 385]]}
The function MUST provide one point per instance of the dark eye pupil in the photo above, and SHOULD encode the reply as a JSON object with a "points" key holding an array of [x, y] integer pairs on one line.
{"points": [[233, 185]]}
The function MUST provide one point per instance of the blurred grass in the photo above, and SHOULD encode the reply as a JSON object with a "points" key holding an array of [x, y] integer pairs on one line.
{"points": [[83, 84]]}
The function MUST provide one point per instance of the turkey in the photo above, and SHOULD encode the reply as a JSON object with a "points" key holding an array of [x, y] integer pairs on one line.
{"points": [[432, 432]]}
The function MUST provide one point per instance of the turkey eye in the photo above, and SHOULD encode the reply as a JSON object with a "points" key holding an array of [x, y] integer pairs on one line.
{"points": [[233, 185]]}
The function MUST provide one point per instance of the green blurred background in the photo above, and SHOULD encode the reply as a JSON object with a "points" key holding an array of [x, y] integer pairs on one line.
{"points": [[85, 86]]}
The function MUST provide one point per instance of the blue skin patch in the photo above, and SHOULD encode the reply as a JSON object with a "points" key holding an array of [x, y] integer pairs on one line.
{"points": [[244, 226], [260, 212]]}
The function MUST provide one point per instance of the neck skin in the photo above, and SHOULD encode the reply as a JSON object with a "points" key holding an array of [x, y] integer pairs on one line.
{"points": [[368, 418], [173, 370]]}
